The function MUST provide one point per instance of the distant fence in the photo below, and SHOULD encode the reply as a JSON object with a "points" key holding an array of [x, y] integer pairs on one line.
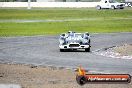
{"points": [[50, 4]]}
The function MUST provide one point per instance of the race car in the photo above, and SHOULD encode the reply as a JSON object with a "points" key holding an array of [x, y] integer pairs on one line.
{"points": [[74, 41]]}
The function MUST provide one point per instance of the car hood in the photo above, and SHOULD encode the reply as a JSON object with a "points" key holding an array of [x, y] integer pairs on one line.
{"points": [[73, 39]]}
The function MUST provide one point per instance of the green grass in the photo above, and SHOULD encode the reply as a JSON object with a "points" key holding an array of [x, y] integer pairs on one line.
{"points": [[97, 21]]}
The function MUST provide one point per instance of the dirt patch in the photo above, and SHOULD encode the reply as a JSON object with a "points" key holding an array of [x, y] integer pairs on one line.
{"points": [[34, 76], [124, 50], [45, 77], [121, 52]]}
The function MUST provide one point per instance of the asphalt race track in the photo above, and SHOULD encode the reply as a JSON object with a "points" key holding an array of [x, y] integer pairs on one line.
{"points": [[44, 50]]}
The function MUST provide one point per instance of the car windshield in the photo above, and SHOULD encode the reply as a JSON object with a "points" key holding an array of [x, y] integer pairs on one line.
{"points": [[78, 35]]}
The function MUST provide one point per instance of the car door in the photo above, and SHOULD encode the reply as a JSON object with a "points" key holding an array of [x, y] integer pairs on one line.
{"points": [[105, 4]]}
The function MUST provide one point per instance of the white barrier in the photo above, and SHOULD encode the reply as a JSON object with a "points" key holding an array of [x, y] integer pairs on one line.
{"points": [[50, 4]]}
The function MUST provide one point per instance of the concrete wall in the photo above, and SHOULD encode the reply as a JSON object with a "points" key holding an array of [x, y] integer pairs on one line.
{"points": [[45, 0], [49, 4], [128, 0]]}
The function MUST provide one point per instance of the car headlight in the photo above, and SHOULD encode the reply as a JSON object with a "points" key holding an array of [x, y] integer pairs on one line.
{"points": [[61, 41]]}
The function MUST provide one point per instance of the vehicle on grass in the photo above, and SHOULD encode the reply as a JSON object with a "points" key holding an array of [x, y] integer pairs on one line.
{"points": [[73, 41], [127, 4], [110, 4]]}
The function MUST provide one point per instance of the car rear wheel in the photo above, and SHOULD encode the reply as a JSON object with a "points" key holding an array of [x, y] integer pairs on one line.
{"points": [[122, 8], [98, 7]]}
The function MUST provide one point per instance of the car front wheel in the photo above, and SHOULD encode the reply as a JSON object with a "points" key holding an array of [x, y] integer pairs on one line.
{"points": [[112, 7], [87, 49], [61, 50]]}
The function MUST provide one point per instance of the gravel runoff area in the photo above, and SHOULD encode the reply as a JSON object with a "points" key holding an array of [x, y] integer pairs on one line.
{"points": [[121, 52], [125, 50], [29, 76]]}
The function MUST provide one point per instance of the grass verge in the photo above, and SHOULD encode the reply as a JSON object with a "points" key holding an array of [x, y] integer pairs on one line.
{"points": [[57, 20]]}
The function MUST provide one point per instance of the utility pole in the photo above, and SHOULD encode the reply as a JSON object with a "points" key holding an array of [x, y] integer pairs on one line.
{"points": [[29, 4]]}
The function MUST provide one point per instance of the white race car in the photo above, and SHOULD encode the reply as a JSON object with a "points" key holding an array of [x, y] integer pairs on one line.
{"points": [[110, 4], [73, 41]]}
